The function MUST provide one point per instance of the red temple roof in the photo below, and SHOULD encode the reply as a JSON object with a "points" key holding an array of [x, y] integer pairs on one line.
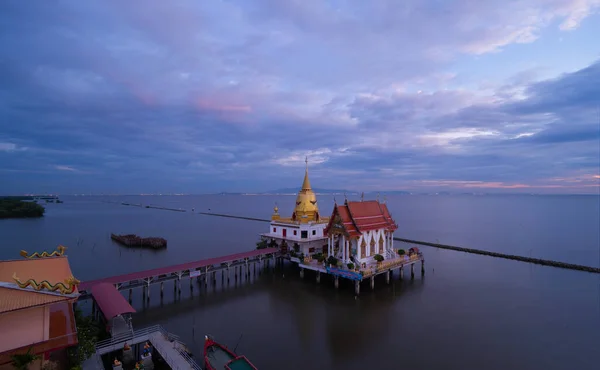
{"points": [[360, 217]]}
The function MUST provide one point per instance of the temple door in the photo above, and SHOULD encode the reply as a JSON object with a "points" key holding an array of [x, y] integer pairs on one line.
{"points": [[284, 233]]}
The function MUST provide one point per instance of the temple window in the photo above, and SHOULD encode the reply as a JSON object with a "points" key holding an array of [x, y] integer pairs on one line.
{"points": [[274, 229], [314, 232], [311, 250], [304, 234], [295, 232]]}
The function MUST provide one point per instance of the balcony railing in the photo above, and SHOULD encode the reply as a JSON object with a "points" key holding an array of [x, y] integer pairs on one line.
{"points": [[39, 348]]}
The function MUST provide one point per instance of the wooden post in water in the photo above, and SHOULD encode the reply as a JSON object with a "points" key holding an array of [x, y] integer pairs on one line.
{"points": [[161, 289], [318, 277], [401, 273], [372, 282], [357, 287], [422, 267], [301, 273], [336, 282], [412, 271], [387, 276]]}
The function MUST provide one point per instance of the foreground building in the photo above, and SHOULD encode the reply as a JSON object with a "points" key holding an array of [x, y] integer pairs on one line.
{"points": [[36, 307], [357, 231], [304, 232]]}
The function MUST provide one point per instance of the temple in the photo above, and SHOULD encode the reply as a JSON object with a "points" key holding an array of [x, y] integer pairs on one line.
{"points": [[305, 230], [36, 309], [357, 231]]}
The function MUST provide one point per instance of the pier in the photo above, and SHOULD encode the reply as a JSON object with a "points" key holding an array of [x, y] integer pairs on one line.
{"points": [[203, 269]]}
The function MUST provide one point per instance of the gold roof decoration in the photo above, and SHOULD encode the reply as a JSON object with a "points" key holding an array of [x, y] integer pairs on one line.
{"points": [[60, 250], [306, 209], [67, 287]]}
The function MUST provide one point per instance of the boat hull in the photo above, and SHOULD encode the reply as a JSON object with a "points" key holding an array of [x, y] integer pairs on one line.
{"points": [[219, 357]]}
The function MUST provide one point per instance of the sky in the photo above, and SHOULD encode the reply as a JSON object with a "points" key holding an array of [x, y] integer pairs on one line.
{"points": [[187, 96]]}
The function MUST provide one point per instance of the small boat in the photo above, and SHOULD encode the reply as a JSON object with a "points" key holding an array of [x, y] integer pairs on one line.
{"points": [[219, 357]]}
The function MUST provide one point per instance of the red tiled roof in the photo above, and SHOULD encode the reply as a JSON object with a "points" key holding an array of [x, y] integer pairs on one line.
{"points": [[17, 299], [360, 217], [110, 301]]}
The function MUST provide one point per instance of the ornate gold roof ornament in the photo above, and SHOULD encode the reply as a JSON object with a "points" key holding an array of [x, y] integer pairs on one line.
{"points": [[60, 250], [67, 287]]}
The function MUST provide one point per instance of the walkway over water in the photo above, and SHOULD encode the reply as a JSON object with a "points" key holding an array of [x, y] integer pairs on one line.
{"points": [[190, 269]]}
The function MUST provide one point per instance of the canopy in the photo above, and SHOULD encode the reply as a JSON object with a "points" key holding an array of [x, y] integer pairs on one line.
{"points": [[110, 301]]}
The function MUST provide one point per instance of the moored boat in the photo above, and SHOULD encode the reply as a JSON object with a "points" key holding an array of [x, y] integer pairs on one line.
{"points": [[219, 357]]}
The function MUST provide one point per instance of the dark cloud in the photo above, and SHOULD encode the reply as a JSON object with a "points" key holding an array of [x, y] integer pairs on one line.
{"points": [[231, 95]]}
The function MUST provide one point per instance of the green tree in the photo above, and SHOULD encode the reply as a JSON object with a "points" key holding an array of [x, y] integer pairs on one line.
{"points": [[22, 361], [88, 333]]}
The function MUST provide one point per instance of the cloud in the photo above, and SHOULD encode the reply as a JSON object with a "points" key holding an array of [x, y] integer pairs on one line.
{"points": [[232, 95], [65, 168]]}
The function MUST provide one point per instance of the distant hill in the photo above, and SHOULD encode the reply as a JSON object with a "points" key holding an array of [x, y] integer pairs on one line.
{"points": [[334, 191], [316, 190]]}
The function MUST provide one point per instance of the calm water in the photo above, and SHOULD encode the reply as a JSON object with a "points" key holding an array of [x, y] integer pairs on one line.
{"points": [[469, 312]]}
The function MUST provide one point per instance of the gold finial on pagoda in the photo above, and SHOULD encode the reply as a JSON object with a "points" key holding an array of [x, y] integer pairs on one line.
{"points": [[362, 196], [60, 250], [275, 215]]}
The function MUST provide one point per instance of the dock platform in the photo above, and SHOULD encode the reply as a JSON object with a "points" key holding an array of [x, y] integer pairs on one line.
{"points": [[358, 275]]}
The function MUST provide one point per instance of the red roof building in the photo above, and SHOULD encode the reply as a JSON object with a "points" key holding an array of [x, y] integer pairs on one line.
{"points": [[36, 307], [357, 231]]}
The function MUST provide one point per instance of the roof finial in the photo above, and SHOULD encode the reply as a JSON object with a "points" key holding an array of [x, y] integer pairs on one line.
{"points": [[306, 161], [384, 198], [362, 196], [334, 201]]}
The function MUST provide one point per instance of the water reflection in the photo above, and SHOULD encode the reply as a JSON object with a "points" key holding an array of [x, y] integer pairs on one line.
{"points": [[347, 322]]}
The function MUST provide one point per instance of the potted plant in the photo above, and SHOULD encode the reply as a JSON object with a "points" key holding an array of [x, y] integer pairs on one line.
{"points": [[379, 258], [401, 252], [350, 266]]}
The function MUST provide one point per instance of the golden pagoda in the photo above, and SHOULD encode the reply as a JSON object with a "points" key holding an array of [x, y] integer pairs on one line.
{"points": [[306, 209], [305, 229]]}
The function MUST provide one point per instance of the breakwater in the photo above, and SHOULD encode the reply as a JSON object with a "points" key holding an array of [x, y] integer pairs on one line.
{"points": [[537, 261], [232, 216]]}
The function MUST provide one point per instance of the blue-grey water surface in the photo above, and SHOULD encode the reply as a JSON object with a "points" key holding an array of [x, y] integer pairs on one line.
{"points": [[468, 312]]}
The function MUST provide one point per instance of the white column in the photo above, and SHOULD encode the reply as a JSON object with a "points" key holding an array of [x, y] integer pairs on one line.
{"points": [[347, 251], [329, 245]]}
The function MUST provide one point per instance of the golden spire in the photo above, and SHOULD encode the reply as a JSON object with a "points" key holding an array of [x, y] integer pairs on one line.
{"points": [[306, 209], [306, 182]]}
